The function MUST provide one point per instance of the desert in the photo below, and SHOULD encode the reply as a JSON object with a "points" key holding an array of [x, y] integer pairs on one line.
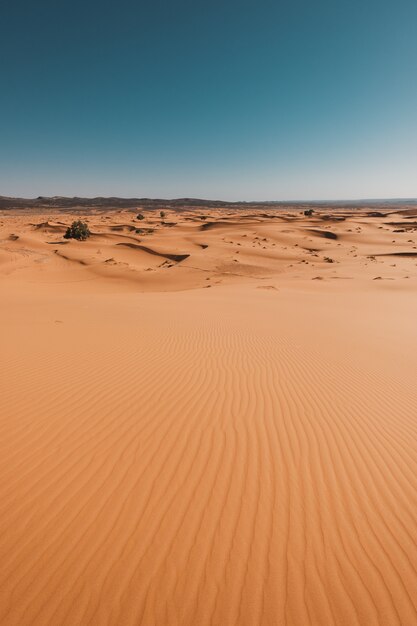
{"points": [[208, 416]]}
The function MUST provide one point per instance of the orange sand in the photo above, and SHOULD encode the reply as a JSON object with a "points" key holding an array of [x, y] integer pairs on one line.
{"points": [[177, 455]]}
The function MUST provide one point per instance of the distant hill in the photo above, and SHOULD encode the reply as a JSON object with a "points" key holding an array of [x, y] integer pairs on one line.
{"points": [[63, 202], [101, 202]]}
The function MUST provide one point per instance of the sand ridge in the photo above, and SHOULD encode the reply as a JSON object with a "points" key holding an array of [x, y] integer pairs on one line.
{"points": [[177, 455]]}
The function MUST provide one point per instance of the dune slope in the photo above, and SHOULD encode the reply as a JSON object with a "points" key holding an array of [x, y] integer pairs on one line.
{"points": [[244, 454]]}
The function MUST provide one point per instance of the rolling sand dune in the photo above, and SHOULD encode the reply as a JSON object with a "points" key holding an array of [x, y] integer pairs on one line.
{"points": [[240, 455]]}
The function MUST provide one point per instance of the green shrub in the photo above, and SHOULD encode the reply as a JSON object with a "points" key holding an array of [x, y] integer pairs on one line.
{"points": [[162, 214], [140, 216], [78, 230]]}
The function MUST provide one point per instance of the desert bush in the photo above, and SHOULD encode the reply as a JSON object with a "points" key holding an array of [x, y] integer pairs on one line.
{"points": [[162, 214], [78, 230], [140, 216], [308, 212]]}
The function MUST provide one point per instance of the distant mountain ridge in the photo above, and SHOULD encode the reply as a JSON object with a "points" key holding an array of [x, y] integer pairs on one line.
{"points": [[65, 202]]}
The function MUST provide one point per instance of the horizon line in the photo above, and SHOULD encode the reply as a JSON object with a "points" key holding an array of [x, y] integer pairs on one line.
{"points": [[195, 198]]}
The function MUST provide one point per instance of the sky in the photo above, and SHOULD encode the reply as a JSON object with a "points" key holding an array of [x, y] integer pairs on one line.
{"points": [[229, 99]]}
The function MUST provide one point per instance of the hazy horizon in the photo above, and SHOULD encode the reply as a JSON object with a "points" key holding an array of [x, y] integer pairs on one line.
{"points": [[215, 198]]}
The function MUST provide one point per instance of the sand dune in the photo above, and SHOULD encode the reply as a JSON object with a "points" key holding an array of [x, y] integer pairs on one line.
{"points": [[240, 455]]}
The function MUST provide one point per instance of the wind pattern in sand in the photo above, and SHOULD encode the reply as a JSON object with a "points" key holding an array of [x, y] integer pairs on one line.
{"points": [[241, 455]]}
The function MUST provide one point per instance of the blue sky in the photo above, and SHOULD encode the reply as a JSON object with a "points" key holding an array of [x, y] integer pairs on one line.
{"points": [[232, 99]]}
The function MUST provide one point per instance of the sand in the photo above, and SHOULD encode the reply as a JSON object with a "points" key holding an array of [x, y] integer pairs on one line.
{"points": [[210, 423]]}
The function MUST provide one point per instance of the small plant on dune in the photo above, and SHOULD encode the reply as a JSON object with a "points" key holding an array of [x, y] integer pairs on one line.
{"points": [[140, 216], [162, 214], [308, 212], [78, 230]]}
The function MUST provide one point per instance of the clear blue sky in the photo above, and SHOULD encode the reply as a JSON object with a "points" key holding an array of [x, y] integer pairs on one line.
{"points": [[233, 99]]}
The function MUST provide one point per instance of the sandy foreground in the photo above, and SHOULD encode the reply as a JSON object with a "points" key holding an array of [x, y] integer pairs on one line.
{"points": [[210, 422]]}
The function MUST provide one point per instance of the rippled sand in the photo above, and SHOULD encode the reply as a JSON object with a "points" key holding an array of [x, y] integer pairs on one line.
{"points": [[213, 423]]}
